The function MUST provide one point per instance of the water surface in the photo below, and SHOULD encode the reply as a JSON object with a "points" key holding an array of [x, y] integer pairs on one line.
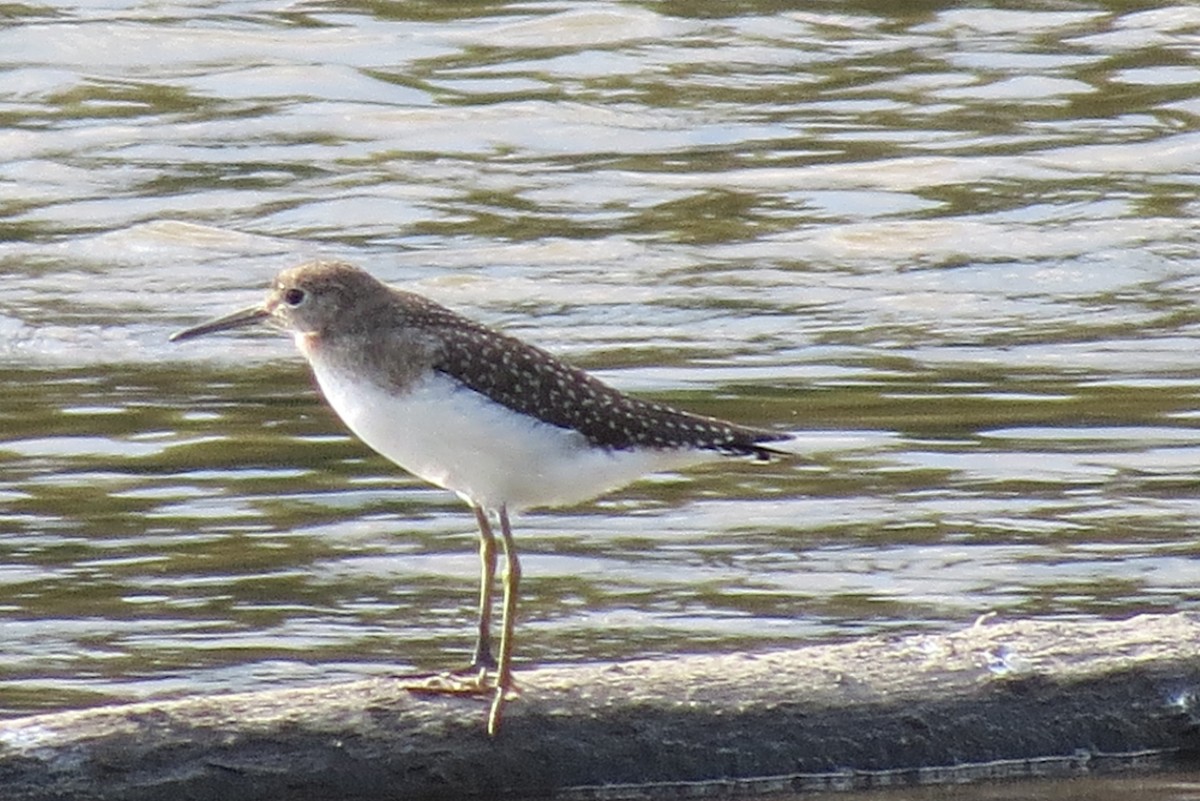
{"points": [[953, 249]]}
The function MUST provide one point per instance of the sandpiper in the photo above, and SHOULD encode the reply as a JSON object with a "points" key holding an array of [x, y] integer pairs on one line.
{"points": [[502, 423]]}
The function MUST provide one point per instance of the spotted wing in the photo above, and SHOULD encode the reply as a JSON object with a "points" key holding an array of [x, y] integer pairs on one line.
{"points": [[531, 381]]}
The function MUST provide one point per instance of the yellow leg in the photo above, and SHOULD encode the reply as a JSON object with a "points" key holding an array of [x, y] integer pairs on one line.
{"points": [[512, 581], [482, 659]]}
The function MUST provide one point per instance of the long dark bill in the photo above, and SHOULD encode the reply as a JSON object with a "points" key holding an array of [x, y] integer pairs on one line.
{"points": [[255, 314]]}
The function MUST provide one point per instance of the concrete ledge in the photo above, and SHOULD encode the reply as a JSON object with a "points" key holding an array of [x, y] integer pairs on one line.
{"points": [[997, 700]]}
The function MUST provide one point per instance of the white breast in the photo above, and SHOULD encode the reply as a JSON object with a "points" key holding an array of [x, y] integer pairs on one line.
{"points": [[490, 455]]}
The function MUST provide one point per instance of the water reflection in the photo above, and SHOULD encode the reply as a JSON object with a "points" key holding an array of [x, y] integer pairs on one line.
{"points": [[950, 247]]}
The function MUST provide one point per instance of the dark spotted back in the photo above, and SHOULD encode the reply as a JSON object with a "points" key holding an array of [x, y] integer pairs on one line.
{"points": [[532, 381]]}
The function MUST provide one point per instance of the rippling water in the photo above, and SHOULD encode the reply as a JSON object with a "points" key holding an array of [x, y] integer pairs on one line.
{"points": [[954, 249]]}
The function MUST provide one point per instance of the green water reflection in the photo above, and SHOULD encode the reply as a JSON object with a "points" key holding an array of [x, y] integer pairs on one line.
{"points": [[952, 248]]}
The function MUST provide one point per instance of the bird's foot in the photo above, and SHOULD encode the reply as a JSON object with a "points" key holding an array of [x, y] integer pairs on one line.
{"points": [[477, 669], [466, 682], [477, 678], [452, 683]]}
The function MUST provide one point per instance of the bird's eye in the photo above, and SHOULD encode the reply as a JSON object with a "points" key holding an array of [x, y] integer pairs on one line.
{"points": [[293, 296]]}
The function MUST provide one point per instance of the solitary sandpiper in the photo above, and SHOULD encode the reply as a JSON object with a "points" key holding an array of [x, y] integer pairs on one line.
{"points": [[502, 423]]}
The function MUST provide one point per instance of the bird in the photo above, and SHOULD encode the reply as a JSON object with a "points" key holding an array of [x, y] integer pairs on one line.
{"points": [[500, 422]]}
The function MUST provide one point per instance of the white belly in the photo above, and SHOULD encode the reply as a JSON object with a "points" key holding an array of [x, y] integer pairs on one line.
{"points": [[456, 438]]}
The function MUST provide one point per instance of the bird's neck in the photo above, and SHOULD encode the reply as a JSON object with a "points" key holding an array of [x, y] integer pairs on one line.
{"points": [[397, 369], [308, 343]]}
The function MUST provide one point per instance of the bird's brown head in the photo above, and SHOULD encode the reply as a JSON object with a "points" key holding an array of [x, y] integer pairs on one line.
{"points": [[313, 298]]}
